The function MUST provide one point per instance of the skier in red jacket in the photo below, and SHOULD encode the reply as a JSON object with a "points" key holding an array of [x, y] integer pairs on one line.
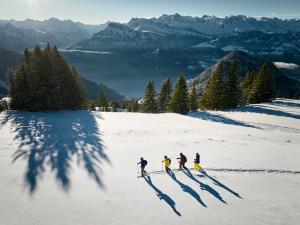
{"points": [[182, 160]]}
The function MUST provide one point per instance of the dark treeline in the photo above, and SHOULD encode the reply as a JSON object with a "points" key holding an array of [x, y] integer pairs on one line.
{"points": [[178, 100], [45, 81], [225, 91]]}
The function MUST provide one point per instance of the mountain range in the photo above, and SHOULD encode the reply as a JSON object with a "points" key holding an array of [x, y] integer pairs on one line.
{"points": [[17, 35], [176, 31], [126, 55]]}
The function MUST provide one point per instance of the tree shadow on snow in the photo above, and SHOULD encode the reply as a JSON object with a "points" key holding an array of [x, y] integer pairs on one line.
{"points": [[205, 187], [188, 189], [214, 117], [218, 183], [266, 110], [53, 141], [286, 103], [163, 196]]}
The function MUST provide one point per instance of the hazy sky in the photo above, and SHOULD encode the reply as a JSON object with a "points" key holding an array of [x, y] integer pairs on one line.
{"points": [[99, 11]]}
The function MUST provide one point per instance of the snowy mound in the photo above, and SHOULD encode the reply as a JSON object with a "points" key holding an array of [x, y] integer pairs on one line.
{"points": [[286, 65], [79, 167]]}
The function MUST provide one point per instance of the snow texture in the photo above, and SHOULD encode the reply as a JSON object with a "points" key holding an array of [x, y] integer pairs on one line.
{"points": [[286, 65], [79, 167]]}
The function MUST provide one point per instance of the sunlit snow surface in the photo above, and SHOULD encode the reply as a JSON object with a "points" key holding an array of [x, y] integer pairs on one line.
{"points": [[79, 167], [286, 65]]}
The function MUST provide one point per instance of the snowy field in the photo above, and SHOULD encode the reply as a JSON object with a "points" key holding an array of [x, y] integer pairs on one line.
{"points": [[79, 168]]}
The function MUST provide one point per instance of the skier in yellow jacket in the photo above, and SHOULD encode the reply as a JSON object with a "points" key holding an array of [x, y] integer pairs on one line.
{"points": [[167, 163], [197, 163]]}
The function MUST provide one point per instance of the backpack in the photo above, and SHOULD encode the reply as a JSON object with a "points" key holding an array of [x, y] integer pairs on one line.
{"points": [[184, 159], [169, 160], [145, 162]]}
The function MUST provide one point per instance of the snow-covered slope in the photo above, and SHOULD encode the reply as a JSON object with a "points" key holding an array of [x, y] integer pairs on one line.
{"points": [[80, 167]]}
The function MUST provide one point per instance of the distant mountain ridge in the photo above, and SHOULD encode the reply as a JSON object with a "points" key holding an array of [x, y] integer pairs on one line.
{"points": [[62, 33], [122, 36], [212, 25], [176, 31]]}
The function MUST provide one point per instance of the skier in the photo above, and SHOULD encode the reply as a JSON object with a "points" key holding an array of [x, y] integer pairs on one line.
{"points": [[197, 163], [167, 163], [143, 163], [182, 161]]}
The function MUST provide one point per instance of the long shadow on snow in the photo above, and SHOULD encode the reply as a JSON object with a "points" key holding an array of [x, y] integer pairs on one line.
{"points": [[266, 110], [163, 196], [187, 189], [285, 103], [209, 116], [205, 187], [218, 183], [54, 140]]}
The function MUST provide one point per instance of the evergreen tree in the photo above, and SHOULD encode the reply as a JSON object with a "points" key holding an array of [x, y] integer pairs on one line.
{"points": [[179, 102], [262, 87], [132, 105], [165, 95], [114, 105], [44, 81], [150, 104], [103, 101], [247, 88], [214, 93], [232, 97], [193, 99]]}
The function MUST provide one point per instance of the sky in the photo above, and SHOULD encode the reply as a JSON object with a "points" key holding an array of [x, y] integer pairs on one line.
{"points": [[100, 11]]}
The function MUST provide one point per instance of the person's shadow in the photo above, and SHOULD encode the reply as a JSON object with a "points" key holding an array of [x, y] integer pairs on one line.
{"points": [[205, 187], [52, 141], [189, 190], [162, 196], [218, 183]]}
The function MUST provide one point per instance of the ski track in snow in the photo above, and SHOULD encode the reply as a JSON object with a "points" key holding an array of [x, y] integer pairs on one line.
{"points": [[239, 170]]}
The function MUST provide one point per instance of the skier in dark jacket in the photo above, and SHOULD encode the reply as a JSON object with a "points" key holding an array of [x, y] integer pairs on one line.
{"points": [[182, 161], [143, 163]]}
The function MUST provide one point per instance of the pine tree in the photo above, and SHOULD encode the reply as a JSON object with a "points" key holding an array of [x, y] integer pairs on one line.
{"points": [[132, 105], [247, 88], [165, 95], [179, 102], [213, 97], [262, 87], [193, 99], [150, 104], [103, 101], [44, 81], [232, 96]]}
